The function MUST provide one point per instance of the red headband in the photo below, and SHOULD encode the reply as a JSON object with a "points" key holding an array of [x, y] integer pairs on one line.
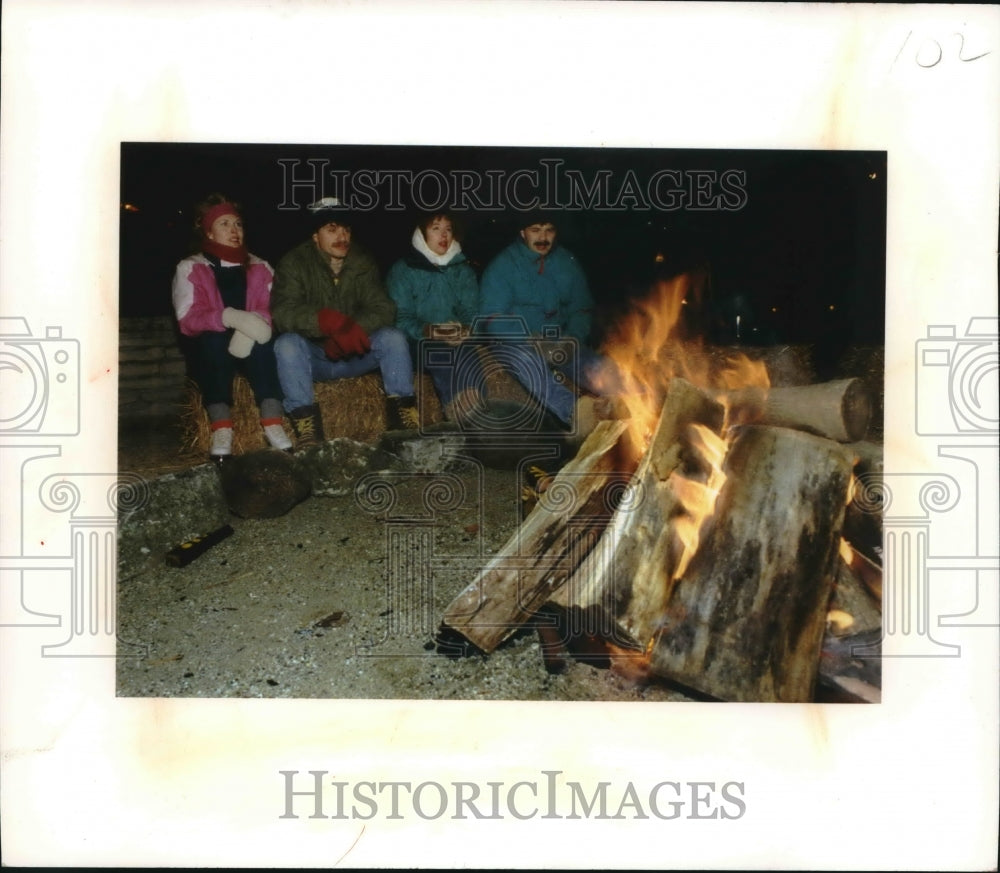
{"points": [[217, 212]]}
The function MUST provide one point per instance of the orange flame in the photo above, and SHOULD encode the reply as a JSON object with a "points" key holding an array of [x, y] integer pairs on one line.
{"points": [[649, 348], [698, 498]]}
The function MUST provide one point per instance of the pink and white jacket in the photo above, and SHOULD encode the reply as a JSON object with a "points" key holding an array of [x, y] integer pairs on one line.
{"points": [[198, 303]]}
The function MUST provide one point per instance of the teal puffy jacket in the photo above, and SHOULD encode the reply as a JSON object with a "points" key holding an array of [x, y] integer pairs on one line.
{"points": [[549, 294], [426, 293]]}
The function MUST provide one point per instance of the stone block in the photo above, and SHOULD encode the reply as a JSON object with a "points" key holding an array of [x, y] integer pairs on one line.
{"points": [[156, 515]]}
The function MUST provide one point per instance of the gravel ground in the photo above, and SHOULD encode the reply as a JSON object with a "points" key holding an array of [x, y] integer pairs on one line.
{"points": [[307, 606]]}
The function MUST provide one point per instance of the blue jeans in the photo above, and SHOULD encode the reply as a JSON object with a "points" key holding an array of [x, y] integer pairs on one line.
{"points": [[543, 370], [453, 369], [302, 362]]}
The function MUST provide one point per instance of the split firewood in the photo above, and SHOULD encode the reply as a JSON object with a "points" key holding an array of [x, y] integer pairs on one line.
{"points": [[838, 410], [746, 620], [548, 546], [627, 576]]}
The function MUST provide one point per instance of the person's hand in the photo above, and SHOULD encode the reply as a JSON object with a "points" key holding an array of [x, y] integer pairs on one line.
{"points": [[332, 349], [345, 337], [331, 322], [249, 323]]}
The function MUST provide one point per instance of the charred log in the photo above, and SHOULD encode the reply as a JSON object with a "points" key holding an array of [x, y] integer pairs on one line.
{"points": [[747, 619]]}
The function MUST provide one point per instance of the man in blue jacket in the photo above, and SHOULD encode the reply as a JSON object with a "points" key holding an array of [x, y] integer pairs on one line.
{"points": [[538, 288]]}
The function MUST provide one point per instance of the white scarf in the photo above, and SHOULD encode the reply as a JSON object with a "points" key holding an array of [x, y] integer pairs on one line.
{"points": [[420, 244]]}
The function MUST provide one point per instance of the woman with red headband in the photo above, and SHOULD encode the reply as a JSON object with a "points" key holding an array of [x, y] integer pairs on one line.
{"points": [[222, 299]]}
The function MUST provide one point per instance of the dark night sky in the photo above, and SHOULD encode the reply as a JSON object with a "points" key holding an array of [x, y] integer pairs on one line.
{"points": [[808, 235]]}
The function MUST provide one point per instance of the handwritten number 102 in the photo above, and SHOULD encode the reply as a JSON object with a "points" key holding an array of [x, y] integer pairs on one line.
{"points": [[930, 52]]}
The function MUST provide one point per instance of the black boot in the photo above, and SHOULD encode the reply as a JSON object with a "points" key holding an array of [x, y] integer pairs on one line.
{"points": [[308, 426], [402, 413]]}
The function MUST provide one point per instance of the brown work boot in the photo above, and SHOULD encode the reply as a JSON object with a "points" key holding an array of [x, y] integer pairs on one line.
{"points": [[402, 413], [308, 426]]}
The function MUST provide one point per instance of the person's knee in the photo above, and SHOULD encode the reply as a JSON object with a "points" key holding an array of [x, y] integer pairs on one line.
{"points": [[290, 347], [390, 342]]}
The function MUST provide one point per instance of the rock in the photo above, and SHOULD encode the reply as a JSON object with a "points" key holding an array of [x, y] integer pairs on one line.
{"points": [[263, 484], [155, 515], [431, 450], [334, 467]]}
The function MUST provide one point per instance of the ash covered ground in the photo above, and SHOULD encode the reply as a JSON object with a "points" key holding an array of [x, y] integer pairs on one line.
{"points": [[309, 605]]}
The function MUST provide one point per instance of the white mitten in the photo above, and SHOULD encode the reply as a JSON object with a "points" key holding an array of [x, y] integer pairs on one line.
{"points": [[240, 345], [249, 323]]}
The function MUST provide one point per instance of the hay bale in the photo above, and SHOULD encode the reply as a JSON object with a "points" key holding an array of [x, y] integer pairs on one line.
{"points": [[786, 365], [352, 408], [499, 384]]}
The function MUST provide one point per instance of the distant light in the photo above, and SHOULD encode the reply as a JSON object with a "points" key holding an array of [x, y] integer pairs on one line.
{"points": [[684, 302], [659, 259], [873, 175], [774, 309], [128, 207], [832, 307]]}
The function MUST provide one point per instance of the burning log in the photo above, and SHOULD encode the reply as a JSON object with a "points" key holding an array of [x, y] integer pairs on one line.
{"points": [[746, 621], [838, 410], [621, 587], [546, 548]]}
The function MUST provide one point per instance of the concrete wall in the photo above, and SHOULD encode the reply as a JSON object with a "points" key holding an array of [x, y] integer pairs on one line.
{"points": [[152, 369]]}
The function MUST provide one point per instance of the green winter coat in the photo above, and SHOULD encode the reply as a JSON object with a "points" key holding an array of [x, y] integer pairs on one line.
{"points": [[305, 284]]}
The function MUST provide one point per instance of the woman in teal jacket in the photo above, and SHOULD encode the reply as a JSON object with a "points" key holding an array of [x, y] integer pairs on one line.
{"points": [[437, 296]]}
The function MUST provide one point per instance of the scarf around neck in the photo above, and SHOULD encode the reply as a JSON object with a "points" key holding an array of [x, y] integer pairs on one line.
{"points": [[420, 244], [233, 254]]}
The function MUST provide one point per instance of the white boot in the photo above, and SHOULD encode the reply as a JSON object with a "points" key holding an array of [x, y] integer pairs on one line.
{"points": [[222, 442], [276, 437]]}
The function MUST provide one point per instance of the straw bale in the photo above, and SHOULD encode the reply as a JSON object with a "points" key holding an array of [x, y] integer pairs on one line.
{"points": [[352, 408]]}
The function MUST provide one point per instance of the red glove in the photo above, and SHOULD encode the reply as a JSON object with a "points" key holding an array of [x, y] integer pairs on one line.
{"points": [[345, 337], [332, 348], [331, 321], [354, 341]]}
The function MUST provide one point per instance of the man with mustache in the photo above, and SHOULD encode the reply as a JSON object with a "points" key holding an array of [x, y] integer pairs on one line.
{"points": [[538, 286], [336, 321]]}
